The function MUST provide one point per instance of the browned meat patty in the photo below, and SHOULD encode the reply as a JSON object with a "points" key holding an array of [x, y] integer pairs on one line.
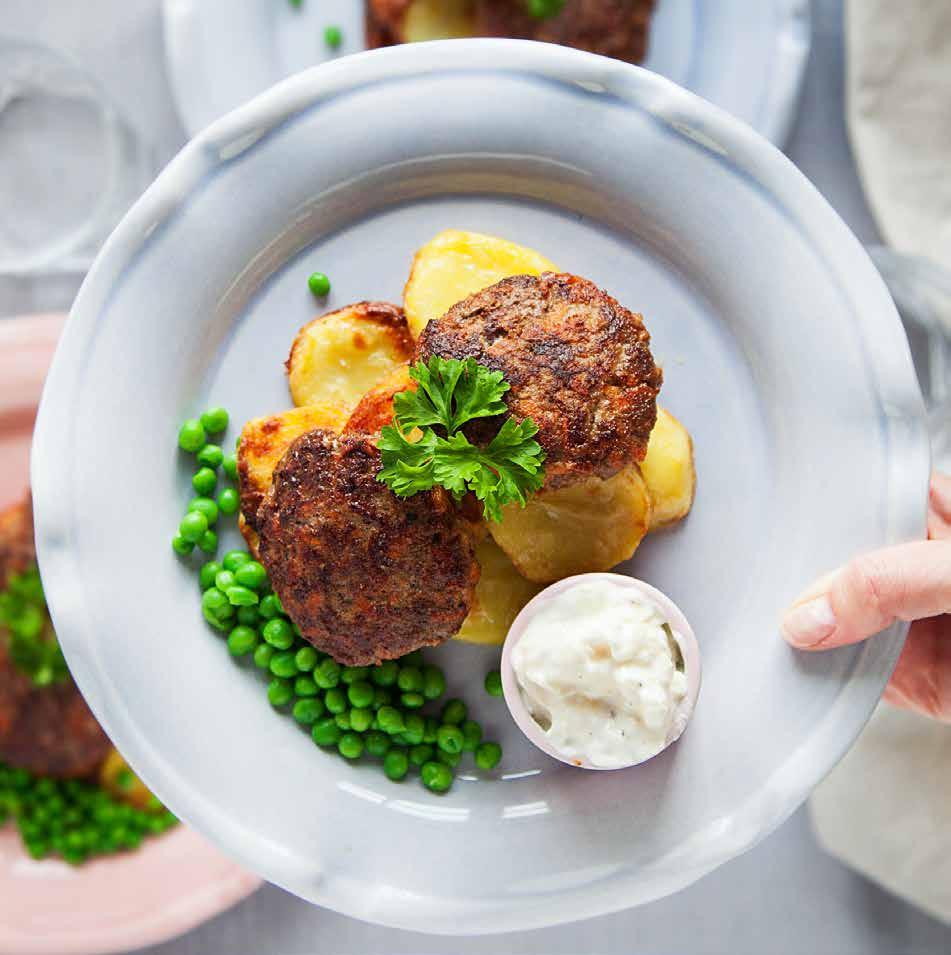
{"points": [[616, 28], [49, 731], [365, 575], [579, 364]]}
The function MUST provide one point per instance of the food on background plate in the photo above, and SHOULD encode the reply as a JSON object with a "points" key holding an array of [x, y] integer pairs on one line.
{"points": [[52, 750], [616, 28], [596, 673], [420, 493], [337, 358]]}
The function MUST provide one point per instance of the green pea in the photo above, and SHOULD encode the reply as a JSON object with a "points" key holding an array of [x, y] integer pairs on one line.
{"points": [[391, 720], [436, 777], [343, 720], [319, 284], [421, 753], [214, 621], [327, 674], [193, 526], [242, 640], [354, 674], [234, 559], [360, 693], [215, 420], [412, 701], [434, 683], [333, 37], [283, 665], [381, 697], [451, 760], [271, 606], [263, 655], [208, 543], [241, 596], [216, 603], [454, 712], [210, 456], [191, 436], [228, 501], [376, 743], [471, 735], [307, 712], [350, 746], [415, 728], [252, 575], [249, 616], [325, 732], [279, 692], [204, 481], [307, 658], [431, 730], [335, 700], [224, 579], [305, 686], [396, 764], [450, 739], [361, 719], [493, 683], [230, 466], [278, 633], [209, 571], [488, 755], [182, 546], [410, 679], [385, 673]]}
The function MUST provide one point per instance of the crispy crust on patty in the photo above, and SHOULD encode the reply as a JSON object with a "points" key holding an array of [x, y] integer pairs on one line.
{"points": [[365, 575], [48, 731], [579, 365]]}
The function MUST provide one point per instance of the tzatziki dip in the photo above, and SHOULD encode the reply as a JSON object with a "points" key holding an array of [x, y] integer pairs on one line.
{"points": [[600, 673]]}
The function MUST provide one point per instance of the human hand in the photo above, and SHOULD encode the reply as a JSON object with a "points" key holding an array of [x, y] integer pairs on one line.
{"points": [[907, 582]]}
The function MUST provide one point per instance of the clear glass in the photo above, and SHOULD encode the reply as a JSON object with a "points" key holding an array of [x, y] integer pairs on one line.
{"points": [[922, 294], [70, 166]]}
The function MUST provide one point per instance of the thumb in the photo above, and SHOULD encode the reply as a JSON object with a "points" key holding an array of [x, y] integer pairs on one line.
{"points": [[907, 582]]}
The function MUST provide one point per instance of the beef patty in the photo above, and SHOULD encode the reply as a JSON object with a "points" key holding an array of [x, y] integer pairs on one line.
{"points": [[579, 365], [616, 28], [365, 575], [46, 730]]}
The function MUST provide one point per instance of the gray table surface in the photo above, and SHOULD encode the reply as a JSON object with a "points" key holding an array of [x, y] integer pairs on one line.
{"points": [[785, 897]]}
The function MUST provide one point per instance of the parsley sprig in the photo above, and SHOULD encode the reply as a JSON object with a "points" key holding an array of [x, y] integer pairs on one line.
{"points": [[450, 394]]}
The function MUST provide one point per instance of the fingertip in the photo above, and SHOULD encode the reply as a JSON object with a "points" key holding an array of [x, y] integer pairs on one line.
{"points": [[810, 624]]}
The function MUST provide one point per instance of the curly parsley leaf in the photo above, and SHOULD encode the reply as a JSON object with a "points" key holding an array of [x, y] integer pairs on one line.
{"points": [[450, 394]]}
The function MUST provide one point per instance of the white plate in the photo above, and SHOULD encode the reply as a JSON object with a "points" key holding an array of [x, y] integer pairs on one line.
{"points": [[784, 356], [747, 58]]}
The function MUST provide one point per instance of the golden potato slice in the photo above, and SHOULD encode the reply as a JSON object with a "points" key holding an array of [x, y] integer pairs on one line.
{"points": [[579, 529], [438, 20], [500, 594], [121, 783], [337, 358], [669, 471], [376, 406], [457, 264], [262, 445]]}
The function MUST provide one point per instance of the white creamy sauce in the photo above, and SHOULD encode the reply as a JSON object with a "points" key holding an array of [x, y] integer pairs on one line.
{"points": [[600, 675]]}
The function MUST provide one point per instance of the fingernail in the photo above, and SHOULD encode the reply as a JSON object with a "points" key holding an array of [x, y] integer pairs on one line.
{"points": [[809, 623]]}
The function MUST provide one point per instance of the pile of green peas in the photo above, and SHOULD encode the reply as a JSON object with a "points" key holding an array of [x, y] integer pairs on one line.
{"points": [[32, 645], [72, 819], [385, 712]]}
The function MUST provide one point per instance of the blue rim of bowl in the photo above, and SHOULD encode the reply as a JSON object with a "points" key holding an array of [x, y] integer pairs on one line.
{"points": [[726, 139]]}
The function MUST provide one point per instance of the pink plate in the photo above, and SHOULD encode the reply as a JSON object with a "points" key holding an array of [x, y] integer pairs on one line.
{"points": [[174, 882]]}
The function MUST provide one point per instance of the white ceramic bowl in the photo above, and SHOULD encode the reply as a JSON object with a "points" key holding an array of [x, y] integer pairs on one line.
{"points": [[783, 355], [672, 615]]}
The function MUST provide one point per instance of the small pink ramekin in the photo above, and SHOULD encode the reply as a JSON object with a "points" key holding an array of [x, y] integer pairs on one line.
{"points": [[682, 632]]}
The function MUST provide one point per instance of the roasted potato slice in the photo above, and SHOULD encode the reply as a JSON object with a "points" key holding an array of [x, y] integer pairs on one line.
{"points": [[669, 471], [413, 21], [337, 358], [578, 529], [376, 406], [500, 594], [456, 264], [122, 784], [262, 445]]}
